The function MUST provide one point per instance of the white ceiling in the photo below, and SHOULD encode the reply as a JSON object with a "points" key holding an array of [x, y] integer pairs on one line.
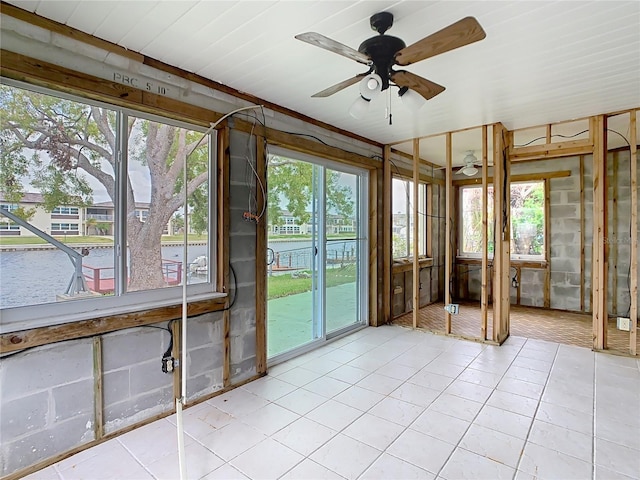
{"points": [[541, 61]]}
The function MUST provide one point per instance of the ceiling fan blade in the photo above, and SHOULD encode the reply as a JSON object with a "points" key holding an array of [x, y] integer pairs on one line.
{"points": [[339, 86], [424, 87], [336, 47], [459, 34]]}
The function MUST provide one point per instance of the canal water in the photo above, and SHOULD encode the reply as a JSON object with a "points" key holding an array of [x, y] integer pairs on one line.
{"points": [[31, 277]]}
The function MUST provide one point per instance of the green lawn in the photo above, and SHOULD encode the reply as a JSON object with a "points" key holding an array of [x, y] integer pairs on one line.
{"points": [[289, 284]]}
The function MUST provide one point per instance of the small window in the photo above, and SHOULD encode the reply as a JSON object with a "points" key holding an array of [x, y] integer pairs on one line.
{"points": [[527, 220], [402, 218]]}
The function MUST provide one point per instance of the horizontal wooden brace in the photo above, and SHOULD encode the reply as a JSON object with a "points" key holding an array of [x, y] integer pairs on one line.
{"points": [[11, 342]]}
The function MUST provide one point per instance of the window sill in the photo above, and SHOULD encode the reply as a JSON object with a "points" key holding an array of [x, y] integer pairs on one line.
{"points": [[517, 262], [13, 339], [406, 264]]}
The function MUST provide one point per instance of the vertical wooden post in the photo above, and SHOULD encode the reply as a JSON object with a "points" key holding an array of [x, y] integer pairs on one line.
{"points": [[449, 254], [429, 220], [599, 264], [375, 239], [547, 243], [613, 235], [261, 259], [223, 244], [176, 333], [98, 391], [502, 250], [582, 220], [386, 241], [484, 292], [633, 309], [416, 231]]}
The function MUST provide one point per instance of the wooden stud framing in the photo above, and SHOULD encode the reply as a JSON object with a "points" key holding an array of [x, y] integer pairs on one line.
{"points": [[98, 395], [448, 232], [484, 292], [613, 234], [599, 264], [176, 332], [633, 309], [547, 244], [416, 232], [223, 245], [375, 239], [582, 222], [261, 260], [386, 243], [526, 177], [502, 250], [429, 221]]}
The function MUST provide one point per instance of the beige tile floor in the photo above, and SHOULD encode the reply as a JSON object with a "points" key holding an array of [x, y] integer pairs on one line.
{"points": [[394, 403]]}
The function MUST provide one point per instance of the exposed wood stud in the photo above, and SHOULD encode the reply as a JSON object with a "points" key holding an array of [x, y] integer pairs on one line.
{"points": [[261, 259], [223, 244], [484, 292], [582, 232], [375, 238], [416, 232], [526, 177], [176, 333], [449, 254], [547, 243], [98, 391], [429, 221], [613, 234], [502, 250], [386, 244], [633, 280], [548, 133], [599, 264]]}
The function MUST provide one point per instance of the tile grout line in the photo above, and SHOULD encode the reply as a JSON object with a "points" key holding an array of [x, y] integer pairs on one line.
{"points": [[533, 418], [476, 415]]}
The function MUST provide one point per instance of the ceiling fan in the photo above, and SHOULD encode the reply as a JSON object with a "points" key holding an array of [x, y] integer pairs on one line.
{"points": [[382, 52], [470, 165]]}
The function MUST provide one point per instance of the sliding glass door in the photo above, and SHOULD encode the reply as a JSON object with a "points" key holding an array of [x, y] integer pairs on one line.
{"points": [[317, 252]]}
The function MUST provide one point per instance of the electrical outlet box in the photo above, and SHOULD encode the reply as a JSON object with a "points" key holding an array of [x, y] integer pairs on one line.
{"points": [[624, 324], [452, 308]]}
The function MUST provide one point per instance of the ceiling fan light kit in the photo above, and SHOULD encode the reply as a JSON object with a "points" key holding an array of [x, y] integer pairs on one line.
{"points": [[382, 52]]}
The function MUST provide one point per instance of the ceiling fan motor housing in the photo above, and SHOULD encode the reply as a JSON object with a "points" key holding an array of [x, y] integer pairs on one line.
{"points": [[382, 50]]}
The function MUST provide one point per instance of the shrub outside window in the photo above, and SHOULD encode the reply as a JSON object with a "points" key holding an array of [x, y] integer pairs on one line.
{"points": [[527, 220]]}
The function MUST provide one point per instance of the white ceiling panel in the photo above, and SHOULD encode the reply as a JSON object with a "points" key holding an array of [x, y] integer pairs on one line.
{"points": [[541, 62]]}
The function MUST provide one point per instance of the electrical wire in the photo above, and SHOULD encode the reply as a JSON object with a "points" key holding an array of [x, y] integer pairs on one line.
{"points": [[555, 135]]}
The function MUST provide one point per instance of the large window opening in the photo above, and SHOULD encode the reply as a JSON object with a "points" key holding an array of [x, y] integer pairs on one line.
{"points": [[403, 219], [98, 196], [527, 220]]}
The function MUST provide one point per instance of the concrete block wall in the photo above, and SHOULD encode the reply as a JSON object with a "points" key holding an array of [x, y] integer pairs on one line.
{"points": [[619, 235], [242, 251], [134, 385], [46, 403], [564, 222], [47, 397]]}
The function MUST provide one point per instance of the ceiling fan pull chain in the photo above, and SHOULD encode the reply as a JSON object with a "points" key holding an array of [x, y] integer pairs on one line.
{"points": [[387, 110]]}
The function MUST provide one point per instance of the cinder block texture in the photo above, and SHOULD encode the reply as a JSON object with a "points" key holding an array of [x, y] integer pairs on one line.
{"points": [[46, 403], [243, 257]]}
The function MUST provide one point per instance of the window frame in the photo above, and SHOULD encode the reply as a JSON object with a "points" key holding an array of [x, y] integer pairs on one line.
{"points": [[422, 239], [491, 221], [56, 313]]}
